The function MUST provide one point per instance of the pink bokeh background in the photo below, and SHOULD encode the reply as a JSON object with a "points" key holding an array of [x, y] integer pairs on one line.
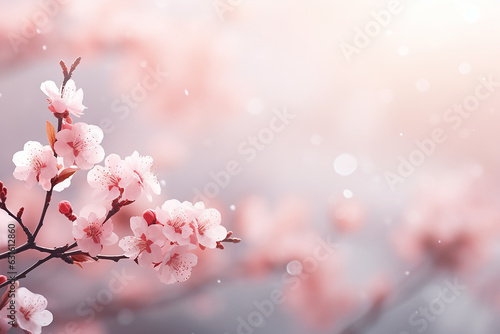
{"points": [[346, 168]]}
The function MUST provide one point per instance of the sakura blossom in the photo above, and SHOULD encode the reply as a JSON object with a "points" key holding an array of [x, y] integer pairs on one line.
{"points": [[70, 101], [146, 243], [162, 239], [80, 145], [179, 221], [145, 178], [31, 312], [91, 232], [36, 163], [177, 265], [209, 229], [114, 179], [453, 223]]}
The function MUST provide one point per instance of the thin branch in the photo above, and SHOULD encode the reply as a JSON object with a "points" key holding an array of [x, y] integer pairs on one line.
{"points": [[67, 75], [48, 197], [228, 239], [24, 273], [59, 127], [18, 250], [114, 258], [26, 230]]}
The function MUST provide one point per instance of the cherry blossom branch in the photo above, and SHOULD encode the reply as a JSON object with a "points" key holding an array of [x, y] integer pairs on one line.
{"points": [[24, 273], [61, 252], [114, 258], [48, 198], [18, 250], [17, 217], [58, 252], [228, 239], [67, 75]]}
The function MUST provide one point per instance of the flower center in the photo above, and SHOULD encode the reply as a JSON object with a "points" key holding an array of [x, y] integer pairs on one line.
{"points": [[37, 163], [174, 262], [77, 145], [177, 224], [144, 244], [94, 231], [27, 311]]}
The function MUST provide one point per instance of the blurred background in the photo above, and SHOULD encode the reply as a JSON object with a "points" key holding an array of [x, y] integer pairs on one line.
{"points": [[352, 145]]}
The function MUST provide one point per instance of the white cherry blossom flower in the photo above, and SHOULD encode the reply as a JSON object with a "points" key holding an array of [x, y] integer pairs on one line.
{"points": [[71, 100], [146, 243], [31, 312], [36, 163], [115, 178], [179, 221], [80, 145], [209, 230], [89, 231], [142, 167], [177, 265]]}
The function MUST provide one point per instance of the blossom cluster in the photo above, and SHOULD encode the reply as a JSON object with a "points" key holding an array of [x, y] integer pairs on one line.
{"points": [[163, 238]]}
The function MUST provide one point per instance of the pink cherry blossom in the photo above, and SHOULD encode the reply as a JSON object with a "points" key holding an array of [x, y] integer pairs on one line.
{"points": [[71, 100], [142, 167], [453, 223], [177, 265], [209, 230], [89, 231], [115, 178], [36, 163], [179, 221], [80, 145], [31, 314], [146, 243]]}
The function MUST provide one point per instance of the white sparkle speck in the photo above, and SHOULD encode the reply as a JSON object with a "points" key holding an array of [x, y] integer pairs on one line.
{"points": [[347, 193], [294, 267], [44, 47], [186, 92], [232, 207]]}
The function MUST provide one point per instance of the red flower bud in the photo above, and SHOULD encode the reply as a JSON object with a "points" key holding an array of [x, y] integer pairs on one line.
{"points": [[3, 279], [20, 213], [150, 216], [3, 194], [65, 208]]}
